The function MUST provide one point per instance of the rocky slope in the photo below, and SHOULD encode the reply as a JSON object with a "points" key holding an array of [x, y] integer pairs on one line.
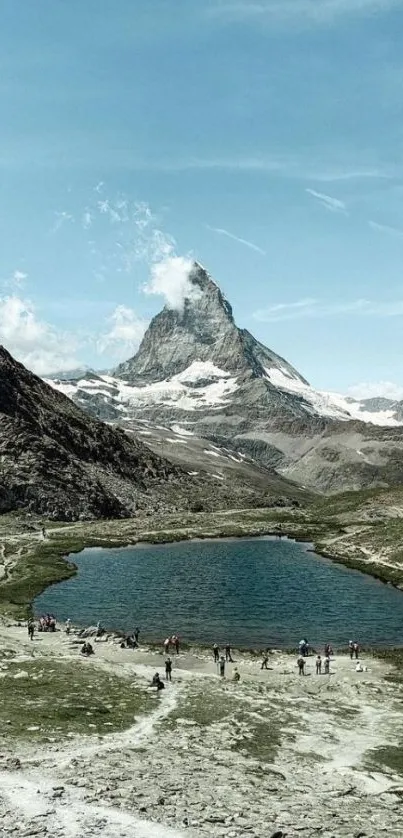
{"points": [[59, 462], [196, 370]]}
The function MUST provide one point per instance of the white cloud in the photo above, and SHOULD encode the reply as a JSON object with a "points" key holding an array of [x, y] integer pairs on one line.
{"points": [[33, 341], [247, 243], [311, 308], [125, 333], [169, 278], [385, 228], [296, 12], [374, 389], [329, 203]]}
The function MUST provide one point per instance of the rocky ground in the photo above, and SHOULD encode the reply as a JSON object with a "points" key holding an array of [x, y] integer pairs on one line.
{"points": [[275, 754]]}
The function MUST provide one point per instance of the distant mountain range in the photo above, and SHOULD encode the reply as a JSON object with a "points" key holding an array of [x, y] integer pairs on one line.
{"points": [[203, 391]]}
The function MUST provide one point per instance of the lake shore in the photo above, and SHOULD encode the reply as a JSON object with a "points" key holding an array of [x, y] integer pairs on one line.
{"points": [[29, 563], [307, 756]]}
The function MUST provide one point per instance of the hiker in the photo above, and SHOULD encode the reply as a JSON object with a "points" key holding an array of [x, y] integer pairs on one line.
{"points": [[68, 625], [87, 649], [167, 645], [235, 675], [216, 653], [327, 665], [31, 628], [228, 656], [221, 666], [301, 665], [356, 649], [351, 649], [265, 660], [136, 634], [168, 669], [303, 647], [318, 665], [156, 682]]}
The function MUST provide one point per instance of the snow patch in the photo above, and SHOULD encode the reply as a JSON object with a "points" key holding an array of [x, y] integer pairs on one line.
{"points": [[332, 405]]}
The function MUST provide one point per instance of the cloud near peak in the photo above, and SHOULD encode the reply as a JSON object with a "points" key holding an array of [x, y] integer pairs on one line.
{"points": [[170, 279]]}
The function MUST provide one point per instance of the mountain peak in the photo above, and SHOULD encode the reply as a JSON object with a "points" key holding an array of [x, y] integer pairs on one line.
{"points": [[202, 331]]}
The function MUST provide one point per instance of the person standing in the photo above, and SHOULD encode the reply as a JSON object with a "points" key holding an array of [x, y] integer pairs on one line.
{"points": [[351, 649], [68, 625], [168, 669], [265, 660], [301, 665], [175, 640], [318, 665], [327, 665], [216, 653], [31, 628], [356, 649], [167, 644], [136, 634], [221, 666], [228, 656]]}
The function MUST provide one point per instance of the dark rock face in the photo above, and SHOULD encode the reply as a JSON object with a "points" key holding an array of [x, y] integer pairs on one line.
{"points": [[57, 461]]}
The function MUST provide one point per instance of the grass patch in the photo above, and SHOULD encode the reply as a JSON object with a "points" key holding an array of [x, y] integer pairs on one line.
{"points": [[59, 699]]}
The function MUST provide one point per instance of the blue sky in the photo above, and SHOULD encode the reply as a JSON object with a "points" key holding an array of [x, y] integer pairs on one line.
{"points": [[262, 137]]}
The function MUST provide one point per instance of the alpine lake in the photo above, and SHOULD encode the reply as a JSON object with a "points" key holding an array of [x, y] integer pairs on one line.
{"points": [[251, 593]]}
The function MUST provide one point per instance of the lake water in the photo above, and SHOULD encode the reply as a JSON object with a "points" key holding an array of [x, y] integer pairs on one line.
{"points": [[249, 592]]}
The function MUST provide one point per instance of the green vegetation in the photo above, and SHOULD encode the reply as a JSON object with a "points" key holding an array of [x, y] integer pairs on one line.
{"points": [[48, 699]]}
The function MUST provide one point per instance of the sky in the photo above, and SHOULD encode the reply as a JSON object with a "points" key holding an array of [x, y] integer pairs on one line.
{"points": [[263, 138]]}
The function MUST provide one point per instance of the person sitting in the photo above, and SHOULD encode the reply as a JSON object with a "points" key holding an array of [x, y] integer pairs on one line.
{"points": [[156, 682], [359, 667], [131, 642], [87, 649], [235, 675]]}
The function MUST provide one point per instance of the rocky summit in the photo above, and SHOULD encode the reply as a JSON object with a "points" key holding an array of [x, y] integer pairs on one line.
{"points": [[203, 392]]}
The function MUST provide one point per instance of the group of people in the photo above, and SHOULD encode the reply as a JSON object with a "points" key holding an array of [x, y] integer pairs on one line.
{"points": [[47, 622], [304, 648], [171, 641], [218, 657], [131, 641]]}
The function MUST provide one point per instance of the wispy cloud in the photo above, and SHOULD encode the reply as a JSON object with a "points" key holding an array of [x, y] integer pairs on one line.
{"points": [[62, 218], [385, 228], [296, 12], [124, 334], [311, 308], [238, 239], [329, 203]]}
